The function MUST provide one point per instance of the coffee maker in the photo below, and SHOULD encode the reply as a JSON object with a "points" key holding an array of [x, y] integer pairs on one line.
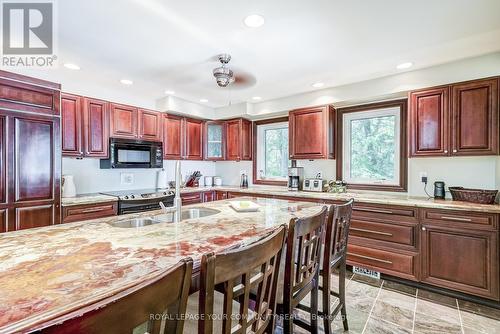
{"points": [[295, 177]]}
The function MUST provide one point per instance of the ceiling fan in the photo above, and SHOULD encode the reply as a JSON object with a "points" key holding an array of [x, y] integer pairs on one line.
{"points": [[224, 76]]}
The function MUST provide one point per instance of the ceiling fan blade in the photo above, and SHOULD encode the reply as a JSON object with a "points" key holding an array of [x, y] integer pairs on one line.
{"points": [[243, 80]]}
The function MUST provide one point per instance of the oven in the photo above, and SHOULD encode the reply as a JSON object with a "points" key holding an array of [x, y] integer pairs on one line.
{"points": [[134, 205], [129, 153]]}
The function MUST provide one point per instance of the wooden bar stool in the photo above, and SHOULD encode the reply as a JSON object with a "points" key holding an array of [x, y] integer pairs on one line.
{"points": [[223, 303], [301, 270], [164, 297], [335, 254]]}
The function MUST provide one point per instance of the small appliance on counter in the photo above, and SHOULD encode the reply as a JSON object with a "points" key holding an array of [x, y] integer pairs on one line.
{"points": [[217, 181], [439, 191], [68, 186], [161, 180], [336, 186], [193, 179], [295, 177], [316, 185], [244, 181]]}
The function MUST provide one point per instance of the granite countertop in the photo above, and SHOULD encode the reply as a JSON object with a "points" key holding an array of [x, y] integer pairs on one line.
{"points": [[87, 199], [363, 197], [48, 272]]}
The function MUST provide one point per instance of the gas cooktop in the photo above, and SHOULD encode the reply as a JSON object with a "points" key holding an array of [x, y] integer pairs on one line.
{"points": [[139, 193]]}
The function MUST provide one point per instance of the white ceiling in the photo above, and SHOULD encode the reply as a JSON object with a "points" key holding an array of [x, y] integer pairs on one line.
{"points": [[164, 45]]}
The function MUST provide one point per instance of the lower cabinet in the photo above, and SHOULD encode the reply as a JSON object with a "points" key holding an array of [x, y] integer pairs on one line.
{"points": [[209, 196], [192, 198], [89, 211], [35, 216], [220, 195]]}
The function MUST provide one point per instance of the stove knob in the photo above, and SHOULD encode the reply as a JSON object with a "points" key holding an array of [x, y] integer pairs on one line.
{"points": [[126, 197], [132, 196], [164, 193]]}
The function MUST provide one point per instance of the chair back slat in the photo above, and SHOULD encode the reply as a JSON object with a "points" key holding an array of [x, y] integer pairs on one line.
{"points": [[164, 296], [236, 273], [337, 234]]}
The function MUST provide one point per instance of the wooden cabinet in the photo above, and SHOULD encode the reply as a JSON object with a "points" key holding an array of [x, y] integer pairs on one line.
{"points": [[311, 133], [239, 139], [4, 227], [192, 198], [193, 139], [85, 124], [209, 196], [475, 110], [454, 120], [215, 138], [149, 125], [220, 195], [429, 122], [3, 161], [89, 211], [123, 121], [460, 252]]}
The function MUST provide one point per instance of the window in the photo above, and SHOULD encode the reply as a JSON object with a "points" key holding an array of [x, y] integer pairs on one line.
{"points": [[373, 154], [271, 151]]}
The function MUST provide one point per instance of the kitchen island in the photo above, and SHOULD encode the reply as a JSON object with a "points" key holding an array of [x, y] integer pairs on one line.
{"points": [[47, 273]]}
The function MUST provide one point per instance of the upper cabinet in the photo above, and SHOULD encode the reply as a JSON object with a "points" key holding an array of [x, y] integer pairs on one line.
{"points": [[123, 121], [214, 140], [311, 133], [85, 126], [149, 125], [193, 139], [459, 119], [239, 139], [182, 138]]}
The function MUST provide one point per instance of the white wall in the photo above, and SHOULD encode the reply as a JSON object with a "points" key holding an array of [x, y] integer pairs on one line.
{"points": [[230, 171], [89, 178]]}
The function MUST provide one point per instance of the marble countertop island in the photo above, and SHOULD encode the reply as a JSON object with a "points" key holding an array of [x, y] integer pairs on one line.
{"points": [[47, 273]]}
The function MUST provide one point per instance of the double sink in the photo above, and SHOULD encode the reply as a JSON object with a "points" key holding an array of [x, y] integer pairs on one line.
{"points": [[164, 218]]}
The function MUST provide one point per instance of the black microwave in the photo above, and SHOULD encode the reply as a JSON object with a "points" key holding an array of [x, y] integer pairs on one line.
{"points": [[129, 153]]}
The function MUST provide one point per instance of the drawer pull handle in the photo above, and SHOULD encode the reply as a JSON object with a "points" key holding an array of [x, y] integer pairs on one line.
{"points": [[370, 231], [456, 218], [370, 258], [374, 210], [101, 208]]}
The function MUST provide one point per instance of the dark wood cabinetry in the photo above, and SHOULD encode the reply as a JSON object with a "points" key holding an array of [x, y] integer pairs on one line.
{"points": [[193, 139], [182, 138], [215, 140], [453, 120], [311, 133], [85, 126], [239, 139], [76, 213], [192, 198], [123, 121], [149, 125]]}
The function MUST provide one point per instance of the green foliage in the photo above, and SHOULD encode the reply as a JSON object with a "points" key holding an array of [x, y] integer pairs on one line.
{"points": [[373, 148], [276, 153]]}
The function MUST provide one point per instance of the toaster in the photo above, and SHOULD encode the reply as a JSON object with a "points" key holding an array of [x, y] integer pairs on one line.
{"points": [[316, 185]]}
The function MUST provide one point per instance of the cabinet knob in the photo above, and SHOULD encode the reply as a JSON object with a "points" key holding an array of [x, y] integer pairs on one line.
{"points": [[424, 229]]}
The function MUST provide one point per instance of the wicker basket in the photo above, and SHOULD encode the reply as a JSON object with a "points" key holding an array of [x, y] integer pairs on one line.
{"points": [[473, 195]]}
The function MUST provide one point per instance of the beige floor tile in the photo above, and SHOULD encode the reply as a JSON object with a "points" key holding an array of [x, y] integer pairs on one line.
{"points": [[355, 319], [444, 313], [428, 324], [379, 326], [480, 323], [355, 288], [396, 308]]}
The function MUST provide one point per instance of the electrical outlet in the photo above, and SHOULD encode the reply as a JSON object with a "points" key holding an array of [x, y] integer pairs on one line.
{"points": [[320, 175], [127, 179], [423, 177]]}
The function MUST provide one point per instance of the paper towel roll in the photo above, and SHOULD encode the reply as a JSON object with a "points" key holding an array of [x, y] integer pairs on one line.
{"points": [[161, 180]]}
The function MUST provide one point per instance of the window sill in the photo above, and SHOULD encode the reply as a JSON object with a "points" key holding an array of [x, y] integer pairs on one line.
{"points": [[270, 182], [377, 187]]}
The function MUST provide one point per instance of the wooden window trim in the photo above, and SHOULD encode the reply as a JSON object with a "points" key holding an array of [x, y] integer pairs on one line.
{"points": [[403, 160], [254, 160]]}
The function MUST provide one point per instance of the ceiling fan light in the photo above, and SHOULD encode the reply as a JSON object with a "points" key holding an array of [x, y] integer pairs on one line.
{"points": [[223, 76]]}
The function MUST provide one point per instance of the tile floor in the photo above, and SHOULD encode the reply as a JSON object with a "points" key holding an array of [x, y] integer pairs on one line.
{"points": [[380, 306]]}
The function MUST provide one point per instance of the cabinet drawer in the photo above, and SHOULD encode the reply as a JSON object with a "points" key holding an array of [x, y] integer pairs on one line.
{"points": [[391, 233], [89, 211], [385, 212], [388, 262], [192, 198], [461, 218]]}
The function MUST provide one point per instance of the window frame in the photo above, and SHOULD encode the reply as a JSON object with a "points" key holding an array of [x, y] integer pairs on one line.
{"points": [[255, 178], [402, 184]]}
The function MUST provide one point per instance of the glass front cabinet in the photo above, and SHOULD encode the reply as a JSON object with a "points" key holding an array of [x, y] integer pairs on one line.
{"points": [[214, 147]]}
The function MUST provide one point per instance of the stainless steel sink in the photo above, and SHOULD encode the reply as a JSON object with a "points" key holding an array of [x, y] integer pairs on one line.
{"points": [[187, 213], [135, 222]]}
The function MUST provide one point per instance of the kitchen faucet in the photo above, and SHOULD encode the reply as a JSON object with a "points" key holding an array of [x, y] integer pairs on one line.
{"points": [[176, 208]]}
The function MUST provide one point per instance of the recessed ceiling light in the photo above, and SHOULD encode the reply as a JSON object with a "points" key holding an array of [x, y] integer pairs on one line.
{"points": [[203, 100], [72, 66], [126, 81], [318, 84], [256, 98], [169, 92], [403, 66], [254, 21]]}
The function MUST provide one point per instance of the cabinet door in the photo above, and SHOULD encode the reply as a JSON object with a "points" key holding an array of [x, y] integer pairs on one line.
{"points": [[95, 128], [233, 140], [214, 140], [3, 160], [192, 198], [209, 196], [461, 260], [308, 135], [194, 139], [149, 125], [475, 118], [220, 195], [246, 140], [123, 121], [34, 216], [429, 122], [173, 137], [3, 221], [71, 121]]}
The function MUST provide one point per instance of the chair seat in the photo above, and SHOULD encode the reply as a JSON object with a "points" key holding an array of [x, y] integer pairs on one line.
{"points": [[192, 315]]}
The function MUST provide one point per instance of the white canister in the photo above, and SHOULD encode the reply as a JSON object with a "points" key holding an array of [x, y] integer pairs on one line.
{"points": [[209, 181], [217, 181], [68, 186]]}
